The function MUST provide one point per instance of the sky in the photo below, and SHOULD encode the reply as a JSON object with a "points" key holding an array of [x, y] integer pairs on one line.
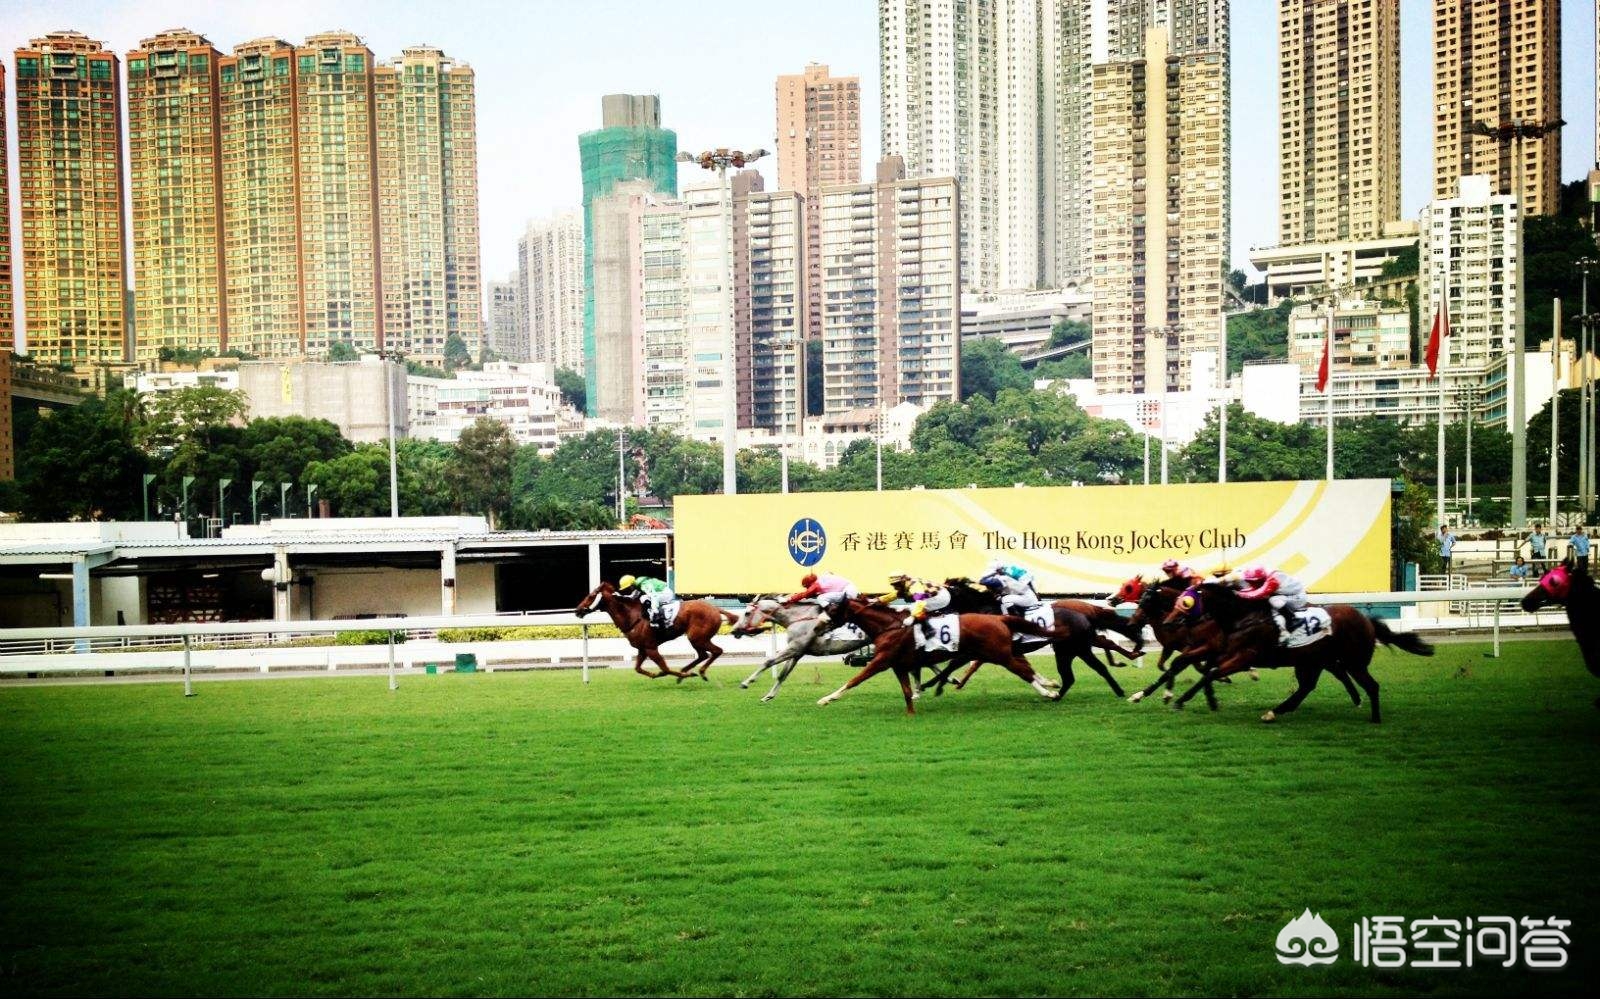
{"points": [[542, 66]]}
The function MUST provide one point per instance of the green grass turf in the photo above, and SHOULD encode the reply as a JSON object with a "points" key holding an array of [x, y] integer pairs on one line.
{"points": [[520, 833]]}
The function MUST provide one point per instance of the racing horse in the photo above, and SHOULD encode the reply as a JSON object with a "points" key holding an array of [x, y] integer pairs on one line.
{"points": [[1569, 584], [805, 638], [1154, 601], [983, 637], [696, 620], [1080, 635], [1245, 634]]}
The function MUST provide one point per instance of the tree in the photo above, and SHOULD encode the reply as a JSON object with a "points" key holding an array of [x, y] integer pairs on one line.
{"points": [[354, 484], [1259, 334], [194, 433], [1552, 246], [81, 463], [1403, 264], [421, 471], [573, 388], [342, 350], [1069, 331], [1076, 365], [987, 368], [479, 470], [1259, 450], [456, 354]]}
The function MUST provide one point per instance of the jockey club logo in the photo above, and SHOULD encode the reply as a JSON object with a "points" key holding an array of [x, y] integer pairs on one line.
{"points": [[807, 542], [1307, 939]]}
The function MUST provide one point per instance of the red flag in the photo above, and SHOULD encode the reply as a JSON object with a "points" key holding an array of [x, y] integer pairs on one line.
{"points": [[1327, 360], [1441, 329]]}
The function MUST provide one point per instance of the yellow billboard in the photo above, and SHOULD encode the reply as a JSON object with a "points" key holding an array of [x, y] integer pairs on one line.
{"points": [[1333, 535]]}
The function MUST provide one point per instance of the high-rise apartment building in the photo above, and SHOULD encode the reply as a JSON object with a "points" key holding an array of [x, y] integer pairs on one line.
{"points": [[1160, 215], [997, 95], [629, 145], [7, 330], [891, 319], [1497, 64], [819, 143], [175, 174], [1468, 250], [69, 176], [770, 260], [819, 130], [338, 179], [261, 238], [614, 350], [550, 284], [425, 114], [505, 319], [1339, 119]]}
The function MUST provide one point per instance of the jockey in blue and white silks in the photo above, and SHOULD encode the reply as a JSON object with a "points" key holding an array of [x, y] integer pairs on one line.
{"points": [[1014, 584]]}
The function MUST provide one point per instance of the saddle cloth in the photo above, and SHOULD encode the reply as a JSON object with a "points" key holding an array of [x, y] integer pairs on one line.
{"points": [[946, 633], [1044, 616], [1310, 625], [666, 614], [845, 633]]}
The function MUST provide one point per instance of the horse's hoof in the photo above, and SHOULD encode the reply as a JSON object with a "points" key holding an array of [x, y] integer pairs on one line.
{"points": [[744, 686], [705, 678], [1166, 698], [1136, 697], [767, 698], [823, 702], [1270, 716], [1177, 705], [1254, 675]]}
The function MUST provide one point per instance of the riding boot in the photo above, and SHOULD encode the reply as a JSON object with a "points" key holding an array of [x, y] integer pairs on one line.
{"points": [[927, 630], [1287, 614]]}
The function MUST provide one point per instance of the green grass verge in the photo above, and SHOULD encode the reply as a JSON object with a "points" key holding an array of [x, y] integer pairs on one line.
{"points": [[522, 833]]}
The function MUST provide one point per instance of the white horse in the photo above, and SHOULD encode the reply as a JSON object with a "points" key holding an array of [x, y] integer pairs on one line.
{"points": [[805, 637]]}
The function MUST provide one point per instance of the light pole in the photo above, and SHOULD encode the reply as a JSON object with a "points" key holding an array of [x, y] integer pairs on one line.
{"points": [[1513, 132], [720, 160], [1586, 426], [1469, 402], [388, 405]]}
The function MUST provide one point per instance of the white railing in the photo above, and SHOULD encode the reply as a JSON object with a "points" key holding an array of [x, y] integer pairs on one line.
{"points": [[27, 651]]}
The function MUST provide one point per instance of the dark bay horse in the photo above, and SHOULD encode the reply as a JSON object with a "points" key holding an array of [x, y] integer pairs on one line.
{"points": [[1570, 585], [1078, 635], [1247, 635], [697, 621], [985, 638], [1155, 601]]}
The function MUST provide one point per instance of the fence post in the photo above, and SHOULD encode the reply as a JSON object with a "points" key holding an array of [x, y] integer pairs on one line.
{"points": [[1496, 653], [188, 685], [585, 627], [393, 683]]}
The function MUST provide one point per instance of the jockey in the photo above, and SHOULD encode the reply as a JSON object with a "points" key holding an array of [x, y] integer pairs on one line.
{"points": [[927, 599], [1282, 591], [653, 595], [1176, 572], [828, 590], [1015, 585]]}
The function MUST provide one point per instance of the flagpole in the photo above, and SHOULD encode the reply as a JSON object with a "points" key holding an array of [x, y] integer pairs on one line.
{"points": [[1444, 304], [1555, 409], [1328, 361]]}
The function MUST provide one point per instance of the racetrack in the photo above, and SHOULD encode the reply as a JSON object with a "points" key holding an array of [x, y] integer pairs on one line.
{"points": [[520, 833]]}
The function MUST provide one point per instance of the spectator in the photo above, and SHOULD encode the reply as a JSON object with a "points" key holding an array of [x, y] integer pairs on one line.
{"points": [[1536, 542], [1519, 571], [1447, 546], [1580, 546]]}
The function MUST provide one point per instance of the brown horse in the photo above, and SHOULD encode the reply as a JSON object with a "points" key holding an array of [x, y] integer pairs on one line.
{"points": [[1248, 636], [1154, 602], [697, 620], [985, 638], [1076, 628]]}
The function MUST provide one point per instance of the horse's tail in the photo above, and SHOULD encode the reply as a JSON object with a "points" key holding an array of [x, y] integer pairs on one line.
{"points": [[727, 615], [1403, 640]]}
